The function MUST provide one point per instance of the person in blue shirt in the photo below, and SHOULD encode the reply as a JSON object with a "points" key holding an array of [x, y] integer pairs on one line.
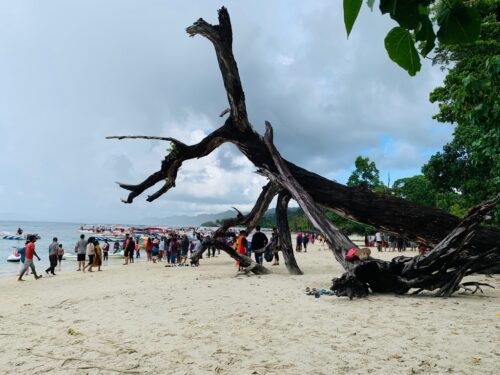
{"points": [[22, 252]]}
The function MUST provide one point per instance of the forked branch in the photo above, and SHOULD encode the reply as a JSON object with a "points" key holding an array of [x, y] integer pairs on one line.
{"points": [[173, 161], [250, 220]]}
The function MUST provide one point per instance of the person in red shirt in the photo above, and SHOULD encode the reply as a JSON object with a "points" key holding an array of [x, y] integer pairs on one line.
{"points": [[30, 252]]}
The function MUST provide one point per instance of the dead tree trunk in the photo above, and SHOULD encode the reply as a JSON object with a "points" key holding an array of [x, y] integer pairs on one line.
{"points": [[284, 233], [420, 223]]}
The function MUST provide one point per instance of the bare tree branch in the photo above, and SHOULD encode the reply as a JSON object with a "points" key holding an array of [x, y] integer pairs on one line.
{"points": [[168, 139], [221, 36], [173, 161], [338, 242], [248, 263], [251, 219]]}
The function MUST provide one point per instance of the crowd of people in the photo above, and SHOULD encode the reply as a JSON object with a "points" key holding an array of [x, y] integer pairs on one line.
{"points": [[386, 242], [176, 248]]}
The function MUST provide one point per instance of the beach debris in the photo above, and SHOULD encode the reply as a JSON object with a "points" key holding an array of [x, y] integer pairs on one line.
{"points": [[395, 356], [319, 292], [73, 332], [476, 360]]}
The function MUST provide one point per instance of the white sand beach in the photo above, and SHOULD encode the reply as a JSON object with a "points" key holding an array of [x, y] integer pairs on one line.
{"points": [[148, 319]]}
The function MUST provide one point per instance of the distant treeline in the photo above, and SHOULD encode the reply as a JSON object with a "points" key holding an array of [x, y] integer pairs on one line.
{"points": [[298, 221]]}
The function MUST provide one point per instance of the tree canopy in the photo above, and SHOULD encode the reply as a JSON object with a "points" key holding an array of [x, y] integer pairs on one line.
{"points": [[365, 174], [467, 170]]}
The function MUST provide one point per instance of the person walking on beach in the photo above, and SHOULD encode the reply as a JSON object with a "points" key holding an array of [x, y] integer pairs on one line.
{"points": [[378, 240], [242, 245], [116, 247], [30, 252], [259, 242], [81, 249], [22, 259], [105, 250], [275, 239], [125, 241], [90, 251], [298, 240], [155, 250], [129, 249], [174, 248], [98, 256], [53, 249], [184, 249], [197, 247], [132, 253], [149, 248], [137, 250], [305, 241], [60, 253]]}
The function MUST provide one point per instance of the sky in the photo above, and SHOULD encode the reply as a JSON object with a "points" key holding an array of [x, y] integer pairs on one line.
{"points": [[74, 72]]}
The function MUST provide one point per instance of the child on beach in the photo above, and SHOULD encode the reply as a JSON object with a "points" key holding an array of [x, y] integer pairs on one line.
{"points": [[137, 250]]}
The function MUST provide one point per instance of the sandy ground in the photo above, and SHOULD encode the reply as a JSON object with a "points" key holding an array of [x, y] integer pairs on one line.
{"points": [[148, 319]]}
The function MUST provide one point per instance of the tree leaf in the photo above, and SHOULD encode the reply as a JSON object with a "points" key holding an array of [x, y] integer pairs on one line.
{"points": [[425, 33], [401, 48], [405, 12], [387, 6], [370, 4], [458, 24], [351, 11]]}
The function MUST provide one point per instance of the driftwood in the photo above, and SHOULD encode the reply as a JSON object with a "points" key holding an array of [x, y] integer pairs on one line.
{"points": [[454, 253]]}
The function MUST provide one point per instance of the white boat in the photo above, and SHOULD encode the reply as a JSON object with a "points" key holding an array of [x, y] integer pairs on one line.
{"points": [[14, 257], [16, 237]]}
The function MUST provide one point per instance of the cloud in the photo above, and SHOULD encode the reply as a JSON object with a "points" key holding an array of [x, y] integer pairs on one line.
{"points": [[75, 72]]}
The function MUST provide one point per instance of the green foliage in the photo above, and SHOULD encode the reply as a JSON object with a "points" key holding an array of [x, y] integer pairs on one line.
{"points": [[401, 49], [365, 174], [417, 189], [458, 22], [351, 11], [467, 171]]}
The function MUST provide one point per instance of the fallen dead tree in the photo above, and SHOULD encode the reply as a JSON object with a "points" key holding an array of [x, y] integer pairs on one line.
{"points": [[460, 247]]}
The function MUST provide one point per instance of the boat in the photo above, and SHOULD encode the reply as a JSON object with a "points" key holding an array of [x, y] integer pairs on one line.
{"points": [[17, 237], [15, 256]]}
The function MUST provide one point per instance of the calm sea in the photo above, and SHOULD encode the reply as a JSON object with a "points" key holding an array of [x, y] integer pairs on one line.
{"points": [[67, 234]]}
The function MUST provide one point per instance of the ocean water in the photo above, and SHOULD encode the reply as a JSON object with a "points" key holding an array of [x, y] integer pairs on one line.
{"points": [[67, 234]]}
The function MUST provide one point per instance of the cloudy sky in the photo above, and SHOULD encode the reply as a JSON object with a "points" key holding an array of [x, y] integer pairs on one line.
{"points": [[73, 72]]}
